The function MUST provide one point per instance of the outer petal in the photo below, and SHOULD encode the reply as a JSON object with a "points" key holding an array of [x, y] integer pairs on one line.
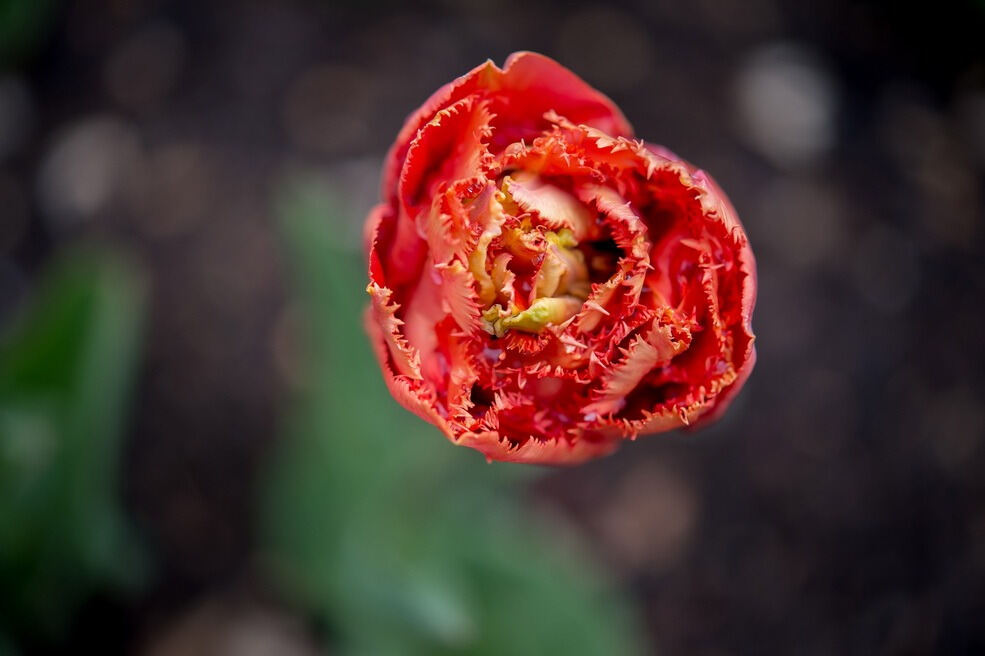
{"points": [[744, 353], [535, 451], [403, 388], [445, 149], [545, 83], [405, 358], [446, 95], [549, 86]]}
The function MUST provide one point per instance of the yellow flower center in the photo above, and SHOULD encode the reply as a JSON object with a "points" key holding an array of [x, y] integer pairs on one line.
{"points": [[539, 278]]}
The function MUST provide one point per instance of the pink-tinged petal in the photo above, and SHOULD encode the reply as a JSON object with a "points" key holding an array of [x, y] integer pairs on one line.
{"points": [[613, 152], [464, 372], [645, 352], [412, 394], [630, 234], [595, 308], [445, 150], [541, 81], [458, 291], [664, 419], [727, 395], [716, 204], [628, 229], [549, 155], [370, 239], [424, 312], [545, 85], [444, 235], [487, 216], [446, 95], [446, 227], [406, 360], [555, 207], [526, 343], [556, 451], [448, 148]]}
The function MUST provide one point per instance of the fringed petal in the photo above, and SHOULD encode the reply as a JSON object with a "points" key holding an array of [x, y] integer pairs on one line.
{"points": [[406, 360], [555, 207], [555, 451], [645, 352], [458, 291]]}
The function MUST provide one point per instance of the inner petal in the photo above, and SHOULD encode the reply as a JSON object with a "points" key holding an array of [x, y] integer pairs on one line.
{"points": [[532, 265]]}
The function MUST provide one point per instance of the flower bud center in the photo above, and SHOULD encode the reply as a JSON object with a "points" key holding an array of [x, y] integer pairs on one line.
{"points": [[530, 268]]}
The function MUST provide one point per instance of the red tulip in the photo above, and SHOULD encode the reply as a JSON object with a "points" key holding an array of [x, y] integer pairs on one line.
{"points": [[543, 285]]}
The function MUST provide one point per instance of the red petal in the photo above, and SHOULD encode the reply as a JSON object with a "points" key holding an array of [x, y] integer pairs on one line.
{"points": [[406, 360], [526, 75], [556, 451], [458, 290], [556, 207], [544, 85], [646, 352]]}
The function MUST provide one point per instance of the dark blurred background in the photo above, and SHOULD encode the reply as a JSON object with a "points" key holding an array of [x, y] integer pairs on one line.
{"points": [[839, 507]]}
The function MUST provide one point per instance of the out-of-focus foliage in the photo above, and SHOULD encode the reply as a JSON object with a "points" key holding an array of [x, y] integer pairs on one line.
{"points": [[66, 367], [6, 648], [23, 25], [397, 541]]}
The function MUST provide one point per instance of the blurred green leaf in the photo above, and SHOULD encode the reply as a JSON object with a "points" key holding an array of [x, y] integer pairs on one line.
{"points": [[399, 542], [6, 647], [66, 367]]}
